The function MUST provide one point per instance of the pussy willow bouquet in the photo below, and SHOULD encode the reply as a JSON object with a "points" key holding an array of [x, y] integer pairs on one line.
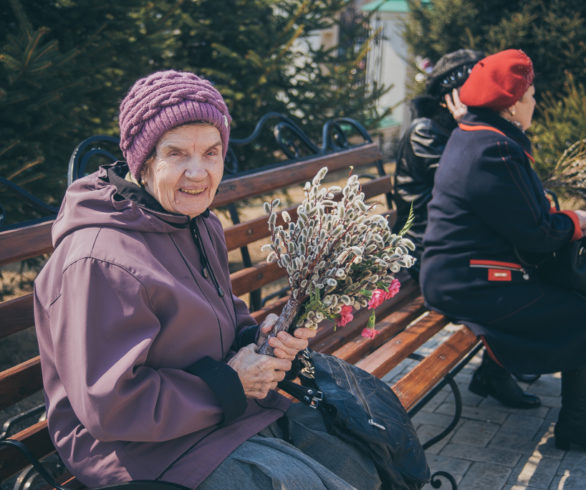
{"points": [[339, 256]]}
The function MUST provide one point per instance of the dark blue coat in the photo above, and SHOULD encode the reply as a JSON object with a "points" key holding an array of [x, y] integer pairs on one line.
{"points": [[487, 200]]}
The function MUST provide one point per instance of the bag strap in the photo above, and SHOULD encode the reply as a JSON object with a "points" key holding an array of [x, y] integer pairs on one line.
{"points": [[310, 396]]}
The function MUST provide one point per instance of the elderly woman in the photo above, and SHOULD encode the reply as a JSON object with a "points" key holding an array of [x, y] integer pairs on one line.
{"points": [[149, 362], [488, 205]]}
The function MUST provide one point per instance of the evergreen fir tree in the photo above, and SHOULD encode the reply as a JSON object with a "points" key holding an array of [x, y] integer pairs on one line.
{"points": [[66, 64], [552, 33]]}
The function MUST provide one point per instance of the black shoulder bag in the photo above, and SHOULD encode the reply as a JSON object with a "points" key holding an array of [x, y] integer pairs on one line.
{"points": [[364, 411], [565, 267]]}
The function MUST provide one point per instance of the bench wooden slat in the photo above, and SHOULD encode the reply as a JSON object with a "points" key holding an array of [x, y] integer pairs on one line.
{"points": [[389, 355], [20, 381], [37, 440], [342, 335], [273, 307], [264, 181], [16, 315], [244, 234], [24, 243], [258, 274], [354, 350], [423, 377]]}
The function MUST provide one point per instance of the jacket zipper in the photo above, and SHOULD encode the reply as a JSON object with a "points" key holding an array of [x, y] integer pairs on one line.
{"points": [[206, 269]]}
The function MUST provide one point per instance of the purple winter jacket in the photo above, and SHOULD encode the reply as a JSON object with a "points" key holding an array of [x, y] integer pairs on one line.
{"points": [[134, 340]]}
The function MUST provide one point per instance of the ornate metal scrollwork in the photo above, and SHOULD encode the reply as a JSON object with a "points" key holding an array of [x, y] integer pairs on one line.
{"points": [[92, 148], [288, 137], [436, 482], [336, 132]]}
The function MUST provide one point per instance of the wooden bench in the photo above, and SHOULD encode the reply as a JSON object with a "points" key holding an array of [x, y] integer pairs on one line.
{"points": [[403, 322]]}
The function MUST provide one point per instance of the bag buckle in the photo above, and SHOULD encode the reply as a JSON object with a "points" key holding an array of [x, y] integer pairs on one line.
{"points": [[313, 397]]}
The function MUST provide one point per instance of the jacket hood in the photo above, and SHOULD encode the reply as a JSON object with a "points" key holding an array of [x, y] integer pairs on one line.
{"points": [[104, 198]]}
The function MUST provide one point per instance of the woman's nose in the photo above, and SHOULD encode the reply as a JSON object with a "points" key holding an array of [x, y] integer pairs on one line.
{"points": [[195, 168]]}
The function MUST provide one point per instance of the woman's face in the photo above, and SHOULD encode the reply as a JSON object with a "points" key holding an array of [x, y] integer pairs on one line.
{"points": [[523, 108], [186, 169]]}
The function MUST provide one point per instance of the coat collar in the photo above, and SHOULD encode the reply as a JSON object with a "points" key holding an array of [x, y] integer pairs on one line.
{"points": [[115, 174], [487, 117]]}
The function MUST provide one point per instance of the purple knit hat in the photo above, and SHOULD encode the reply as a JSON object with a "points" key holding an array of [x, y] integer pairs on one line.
{"points": [[162, 101]]}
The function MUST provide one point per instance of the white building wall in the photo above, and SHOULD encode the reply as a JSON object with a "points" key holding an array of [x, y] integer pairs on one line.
{"points": [[387, 64]]}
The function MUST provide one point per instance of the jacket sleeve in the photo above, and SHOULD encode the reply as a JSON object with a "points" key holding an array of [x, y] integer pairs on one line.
{"points": [[417, 161], [505, 192], [247, 328], [102, 328]]}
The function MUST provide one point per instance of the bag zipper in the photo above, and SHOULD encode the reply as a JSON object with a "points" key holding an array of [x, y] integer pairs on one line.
{"points": [[352, 381]]}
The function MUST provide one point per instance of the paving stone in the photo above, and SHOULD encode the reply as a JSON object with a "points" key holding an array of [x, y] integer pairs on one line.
{"points": [[525, 424], [569, 480], [475, 433], [573, 460], [495, 447], [514, 441], [482, 454], [549, 385], [475, 413], [454, 466], [518, 487], [535, 471], [551, 401], [426, 432], [435, 418], [437, 400], [485, 476]]}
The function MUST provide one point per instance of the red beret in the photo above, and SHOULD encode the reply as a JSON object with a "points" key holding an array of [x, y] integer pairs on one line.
{"points": [[498, 81]]}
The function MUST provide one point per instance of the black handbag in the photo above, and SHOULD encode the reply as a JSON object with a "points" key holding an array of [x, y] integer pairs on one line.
{"points": [[565, 267], [364, 411]]}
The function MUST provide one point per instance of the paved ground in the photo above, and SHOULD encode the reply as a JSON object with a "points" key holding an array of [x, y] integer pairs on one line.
{"points": [[495, 447]]}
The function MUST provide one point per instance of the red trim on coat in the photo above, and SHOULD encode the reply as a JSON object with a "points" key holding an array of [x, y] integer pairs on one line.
{"points": [[496, 263], [490, 352], [480, 127], [574, 217], [470, 127]]}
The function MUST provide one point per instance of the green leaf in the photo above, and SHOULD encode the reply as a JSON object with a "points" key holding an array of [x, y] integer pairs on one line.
{"points": [[409, 222]]}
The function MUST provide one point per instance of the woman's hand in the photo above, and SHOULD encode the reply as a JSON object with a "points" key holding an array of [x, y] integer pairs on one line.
{"points": [[258, 373], [285, 345], [455, 106]]}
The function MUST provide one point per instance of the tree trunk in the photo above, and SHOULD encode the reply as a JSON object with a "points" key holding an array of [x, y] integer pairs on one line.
{"points": [[283, 323]]}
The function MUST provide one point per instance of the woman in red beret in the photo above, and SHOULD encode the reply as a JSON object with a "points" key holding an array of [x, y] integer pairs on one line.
{"points": [[488, 205]]}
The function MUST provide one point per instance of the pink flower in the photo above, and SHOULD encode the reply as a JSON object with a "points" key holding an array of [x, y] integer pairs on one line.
{"points": [[393, 289], [369, 333], [346, 316], [377, 298]]}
